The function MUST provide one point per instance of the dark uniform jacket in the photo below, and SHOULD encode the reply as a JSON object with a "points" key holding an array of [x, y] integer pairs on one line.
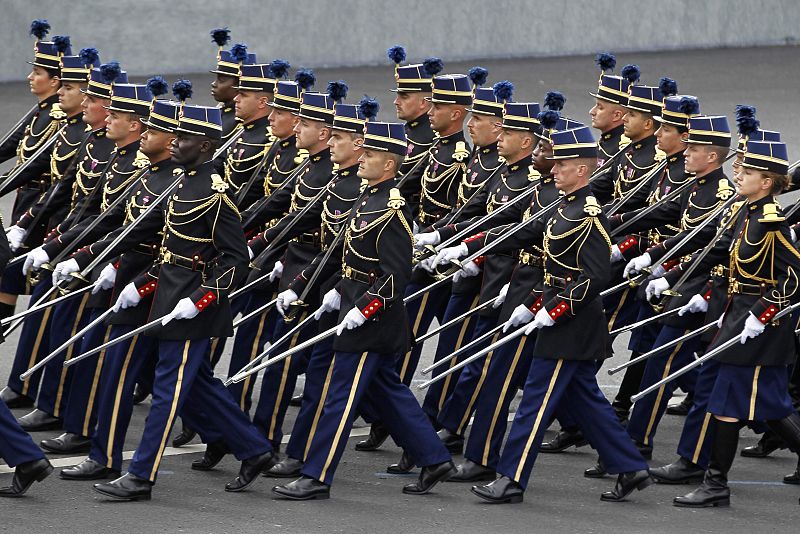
{"points": [[763, 279], [420, 139], [243, 158], [441, 177], [203, 254], [610, 143], [137, 256], [376, 268], [230, 126], [635, 165]]}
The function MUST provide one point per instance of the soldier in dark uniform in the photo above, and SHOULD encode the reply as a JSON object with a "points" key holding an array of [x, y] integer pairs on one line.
{"points": [[608, 112], [130, 104], [752, 380], [572, 334], [347, 138], [123, 362], [78, 183], [62, 159], [203, 254], [223, 88], [16, 446], [373, 329], [36, 129]]}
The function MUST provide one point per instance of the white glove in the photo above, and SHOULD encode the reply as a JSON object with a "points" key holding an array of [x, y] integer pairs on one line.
{"points": [[658, 271], [414, 227], [451, 253], [616, 255], [719, 321], [542, 320], [353, 319], [128, 298], [469, 270], [106, 280], [697, 304], [501, 297], [250, 253], [284, 299], [277, 271], [65, 269], [519, 316], [752, 328], [637, 264], [428, 238], [35, 259], [656, 287], [330, 302], [15, 236], [428, 264], [184, 309]]}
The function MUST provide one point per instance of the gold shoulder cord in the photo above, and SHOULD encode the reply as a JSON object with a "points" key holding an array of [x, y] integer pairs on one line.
{"points": [[331, 223], [394, 206], [24, 150], [55, 158], [109, 191], [765, 254], [269, 185], [243, 165]]}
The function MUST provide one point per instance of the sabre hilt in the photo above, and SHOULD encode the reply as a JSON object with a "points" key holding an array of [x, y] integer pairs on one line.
{"points": [[293, 309]]}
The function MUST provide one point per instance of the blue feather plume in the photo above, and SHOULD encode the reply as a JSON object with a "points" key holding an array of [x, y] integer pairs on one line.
{"points": [[745, 111], [110, 70], [554, 100], [221, 36], [668, 86], [433, 66], [368, 107], [305, 78], [397, 54], [631, 73], [89, 56], [239, 52], [549, 118], [746, 120], [337, 90], [40, 28], [62, 43], [478, 75], [278, 68], [157, 85], [182, 90], [606, 61], [689, 105], [503, 90]]}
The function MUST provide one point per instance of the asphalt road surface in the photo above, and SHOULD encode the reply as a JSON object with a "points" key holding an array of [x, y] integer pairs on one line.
{"points": [[364, 497]]}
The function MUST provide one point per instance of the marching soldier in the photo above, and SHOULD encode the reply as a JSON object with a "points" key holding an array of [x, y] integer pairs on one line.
{"points": [[571, 334], [373, 329], [608, 111], [347, 138], [203, 254], [75, 186]]}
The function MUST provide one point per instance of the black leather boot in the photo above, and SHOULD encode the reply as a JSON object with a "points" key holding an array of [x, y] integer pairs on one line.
{"points": [[566, 438], [471, 471], [67, 443], [683, 407], [405, 465], [215, 452], [186, 435], [769, 443], [140, 394], [626, 483], [429, 476], [794, 478], [25, 475], [454, 442], [598, 471], [88, 470], [286, 468], [788, 429], [501, 491], [682, 471], [249, 471], [303, 489], [714, 490], [14, 399], [39, 420], [128, 487], [377, 435]]}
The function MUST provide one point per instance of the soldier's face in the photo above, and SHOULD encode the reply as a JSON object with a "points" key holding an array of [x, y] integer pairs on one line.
{"points": [[155, 143], [569, 174], [483, 129], [344, 146], [120, 125], [543, 151], [409, 106], [249, 104], [737, 165], [41, 82], [697, 158], [512, 143], [70, 97], [222, 88], [635, 124], [94, 111], [187, 149], [309, 133], [669, 139], [440, 116], [605, 114], [282, 123], [372, 165], [752, 183]]}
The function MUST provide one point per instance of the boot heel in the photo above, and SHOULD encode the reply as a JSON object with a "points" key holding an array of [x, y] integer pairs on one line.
{"points": [[723, 502], [514, 499], [644, 483], [45, 473]]}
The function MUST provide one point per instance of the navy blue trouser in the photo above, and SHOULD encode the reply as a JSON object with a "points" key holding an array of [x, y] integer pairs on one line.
{"points": [[16, 446]]}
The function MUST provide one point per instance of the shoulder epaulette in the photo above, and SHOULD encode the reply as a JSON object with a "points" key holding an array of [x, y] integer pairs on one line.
{"points": [[140, 161], [660, 155], [724, 189], [218, 184], [396, 200], [592, 207], [624, 141], [57, 113], [302, 155], [460, 153], [771, 214]]}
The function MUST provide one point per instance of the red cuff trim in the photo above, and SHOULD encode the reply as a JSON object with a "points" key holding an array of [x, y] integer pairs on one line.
{"points": [[537, 305], [628, 243], [474, 237], [667, 265], [479, 260], [768, 314], [147, 289], [206, 301], [559, 310], [707, 296], [372, 308]]}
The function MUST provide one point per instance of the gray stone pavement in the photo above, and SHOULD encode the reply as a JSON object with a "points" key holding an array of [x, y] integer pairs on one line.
{"points": [[364, 498]]}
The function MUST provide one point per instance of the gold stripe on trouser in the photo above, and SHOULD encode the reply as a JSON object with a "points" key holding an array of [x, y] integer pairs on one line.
{"points": [[70, 352], [459, 341], [754, 394], [287, 363], [618, 309], [415, 330], [538, 421], [112, 428], [253, 354], [95, 381], [701, 438], [318, 412], [499, 404], [486, 362], [36, 344], [660, 395], [345, 416], [175, 396]]}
